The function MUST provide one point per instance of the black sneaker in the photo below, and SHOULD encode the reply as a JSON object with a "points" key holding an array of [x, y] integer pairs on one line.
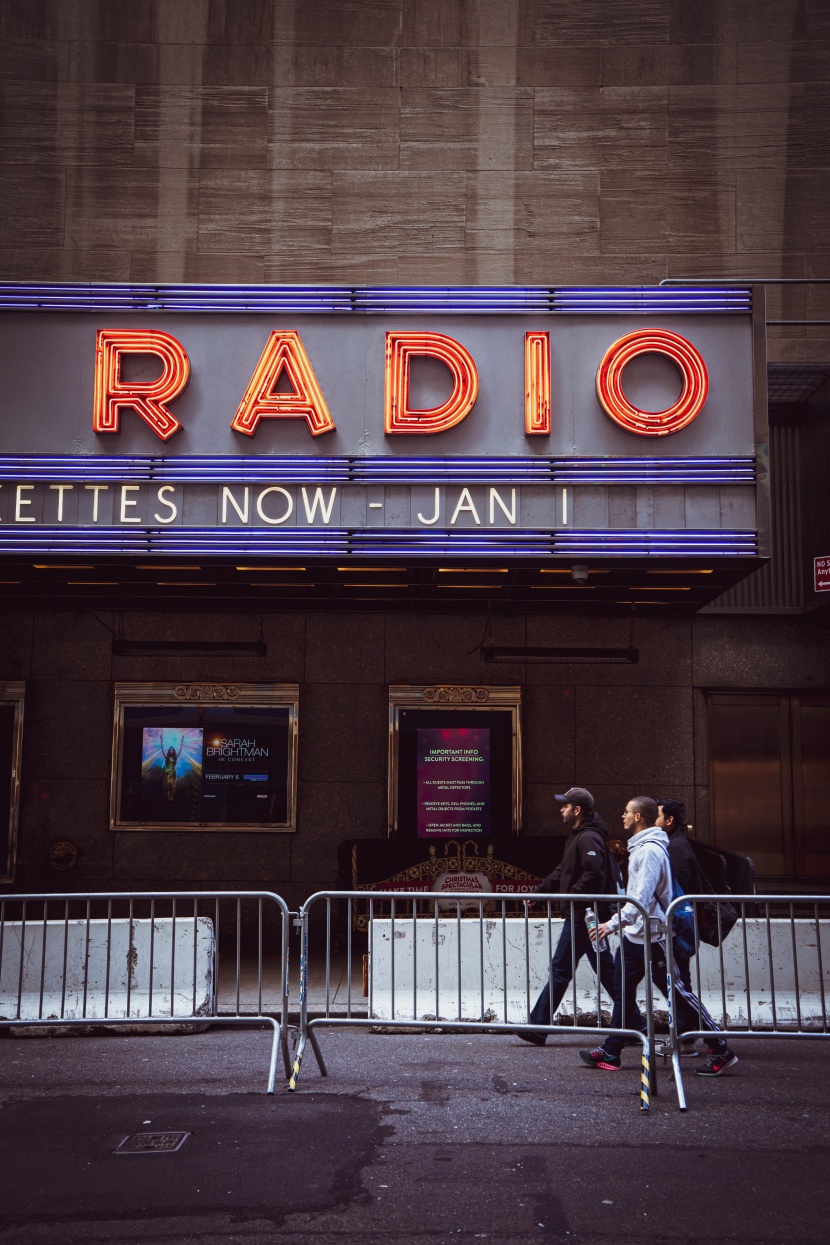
{"points": [[718, 1062], [534, 1036], [600, 1058]]}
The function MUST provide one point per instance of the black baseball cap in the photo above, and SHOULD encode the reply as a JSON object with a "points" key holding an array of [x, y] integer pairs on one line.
{"points": [[577, 795]]}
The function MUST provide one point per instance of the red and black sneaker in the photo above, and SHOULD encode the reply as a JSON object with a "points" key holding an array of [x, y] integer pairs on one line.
{"points": [[600, 1058], [718, 1062]]}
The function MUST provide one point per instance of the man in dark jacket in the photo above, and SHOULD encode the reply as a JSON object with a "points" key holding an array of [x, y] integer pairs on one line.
{"points": [[686, 871], [585, 869], [684, 866]]}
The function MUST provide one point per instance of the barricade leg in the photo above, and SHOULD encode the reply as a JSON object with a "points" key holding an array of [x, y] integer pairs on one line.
{"points": [[671, 999], [310, 1039], [286, 1054], [648, 1076], [307, 1034], [297, 1065], [315, 1046], [645, 1076], [678, 1079], [275, 1044]]}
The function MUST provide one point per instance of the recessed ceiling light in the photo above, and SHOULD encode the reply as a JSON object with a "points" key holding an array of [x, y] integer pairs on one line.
{"points": [[544, 655]]}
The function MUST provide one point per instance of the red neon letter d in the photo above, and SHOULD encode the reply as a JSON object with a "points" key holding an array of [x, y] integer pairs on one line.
{"points": [[399, 416]]}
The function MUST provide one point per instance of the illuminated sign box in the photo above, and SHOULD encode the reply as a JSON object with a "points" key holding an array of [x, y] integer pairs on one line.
{"points": [[455, 762], [204, 756], [284, 420]]}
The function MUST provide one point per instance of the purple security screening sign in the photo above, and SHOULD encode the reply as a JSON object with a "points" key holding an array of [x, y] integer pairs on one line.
{"points": [[453, 778]]}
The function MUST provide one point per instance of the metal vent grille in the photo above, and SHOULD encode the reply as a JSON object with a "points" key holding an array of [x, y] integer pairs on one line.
{"points": [[794, 382], [777, 588]]}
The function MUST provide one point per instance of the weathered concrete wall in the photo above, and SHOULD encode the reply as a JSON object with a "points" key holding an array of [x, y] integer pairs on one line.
{"points": [[618, 730], [420, 141]]}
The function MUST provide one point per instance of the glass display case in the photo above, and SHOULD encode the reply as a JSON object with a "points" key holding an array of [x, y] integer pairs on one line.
{"points": [[204, 756]]}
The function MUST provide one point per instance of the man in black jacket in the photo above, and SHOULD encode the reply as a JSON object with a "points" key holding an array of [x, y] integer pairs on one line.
{"points": [[684, 866], [585, 869], [685, 870]]}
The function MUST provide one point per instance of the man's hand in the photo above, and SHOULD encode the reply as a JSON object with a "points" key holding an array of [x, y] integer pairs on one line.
{"points": [[599, 932]]}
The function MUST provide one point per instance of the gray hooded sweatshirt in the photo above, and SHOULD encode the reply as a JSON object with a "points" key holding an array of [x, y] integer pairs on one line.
{"points": [[649, 881]]}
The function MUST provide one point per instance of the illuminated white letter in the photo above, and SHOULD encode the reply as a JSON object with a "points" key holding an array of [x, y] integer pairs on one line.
{"points": [[276, 488], [61, 489], [465, 505], [23, 501], [227, 496], [310, 511], [166, 488], [96, 489], [434, 518], [510, 514], [127, 501]]}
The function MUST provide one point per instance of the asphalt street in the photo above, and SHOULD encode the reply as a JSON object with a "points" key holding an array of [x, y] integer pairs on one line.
{"points": [[439, 1138]]}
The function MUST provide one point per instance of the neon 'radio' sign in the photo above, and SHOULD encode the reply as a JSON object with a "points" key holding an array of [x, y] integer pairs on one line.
{"points": [[285, 362]]}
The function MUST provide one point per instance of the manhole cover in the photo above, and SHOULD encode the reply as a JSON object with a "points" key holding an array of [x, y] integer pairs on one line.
{"points": [[152, 1143]]}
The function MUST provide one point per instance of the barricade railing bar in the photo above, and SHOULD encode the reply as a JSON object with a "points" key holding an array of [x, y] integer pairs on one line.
{"points": [[458, 961], [763, 975], [149, 958]]}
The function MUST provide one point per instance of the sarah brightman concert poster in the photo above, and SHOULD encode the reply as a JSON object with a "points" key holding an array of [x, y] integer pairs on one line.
{"points": [[195, 768]]}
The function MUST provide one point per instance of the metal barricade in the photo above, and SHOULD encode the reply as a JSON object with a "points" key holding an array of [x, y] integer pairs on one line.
{"points": [[766, 977], [451, 961], [146, 958]]}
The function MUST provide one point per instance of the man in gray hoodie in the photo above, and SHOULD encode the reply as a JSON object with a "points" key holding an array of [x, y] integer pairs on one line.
{"points": [[650, 883]]}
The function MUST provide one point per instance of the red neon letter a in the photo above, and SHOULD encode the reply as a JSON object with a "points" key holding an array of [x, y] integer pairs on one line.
{"points": [[284, 352], [146, 397]]}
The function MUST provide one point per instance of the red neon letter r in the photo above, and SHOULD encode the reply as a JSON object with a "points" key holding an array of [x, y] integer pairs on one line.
{"points": [[146, 397]]}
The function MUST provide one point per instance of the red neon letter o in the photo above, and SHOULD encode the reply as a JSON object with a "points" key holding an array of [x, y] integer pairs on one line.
{"points": [[652, 423]]}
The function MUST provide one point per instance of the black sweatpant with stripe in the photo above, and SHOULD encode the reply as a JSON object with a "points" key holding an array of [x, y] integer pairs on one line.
{"points": [[629, 971]]}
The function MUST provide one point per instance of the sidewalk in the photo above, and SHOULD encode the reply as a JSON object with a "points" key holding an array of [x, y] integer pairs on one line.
{"points": [[433, 1139]]}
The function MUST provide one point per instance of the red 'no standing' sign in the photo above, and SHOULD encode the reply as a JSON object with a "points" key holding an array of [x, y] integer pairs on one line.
{"points": [[821, 574]]}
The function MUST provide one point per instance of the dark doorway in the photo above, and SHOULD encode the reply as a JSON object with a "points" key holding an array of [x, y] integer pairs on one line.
{"points": [[770, 772]]}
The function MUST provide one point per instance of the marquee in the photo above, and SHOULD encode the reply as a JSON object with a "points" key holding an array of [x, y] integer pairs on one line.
{"points": [[382, 422]]}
